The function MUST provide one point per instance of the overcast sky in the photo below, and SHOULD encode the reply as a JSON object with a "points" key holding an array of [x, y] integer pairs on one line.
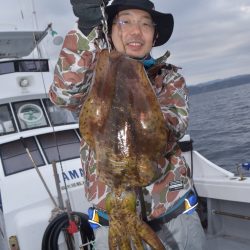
{"points": [[211, 39]]}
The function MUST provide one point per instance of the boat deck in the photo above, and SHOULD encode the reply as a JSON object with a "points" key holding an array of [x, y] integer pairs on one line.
{"points": [[218, 242]]}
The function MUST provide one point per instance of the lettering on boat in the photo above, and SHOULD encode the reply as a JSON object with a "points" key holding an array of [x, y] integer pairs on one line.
{"points": [[73, 178]]}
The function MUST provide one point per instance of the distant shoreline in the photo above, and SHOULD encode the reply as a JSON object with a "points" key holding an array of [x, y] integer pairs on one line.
{"points": [[219, 84]]}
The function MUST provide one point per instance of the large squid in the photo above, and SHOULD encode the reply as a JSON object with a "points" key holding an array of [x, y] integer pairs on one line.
{"points": [[122, 122]]}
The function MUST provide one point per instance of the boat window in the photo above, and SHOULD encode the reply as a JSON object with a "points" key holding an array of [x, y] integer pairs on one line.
{"points": [[7, 124], [59, 116], [30, 114], [6, 68], [65, 144], [15, 158], [32, 65], [26, 65]]}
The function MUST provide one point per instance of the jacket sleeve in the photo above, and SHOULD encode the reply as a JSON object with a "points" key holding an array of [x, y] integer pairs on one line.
{"points": [[172, 94], [74, 69]]}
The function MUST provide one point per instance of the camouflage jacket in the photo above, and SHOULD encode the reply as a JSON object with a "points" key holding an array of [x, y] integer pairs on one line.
{"points": [[72, 78]]}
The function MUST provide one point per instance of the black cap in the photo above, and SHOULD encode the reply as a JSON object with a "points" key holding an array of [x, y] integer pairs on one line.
{"points": [[164, 21]]}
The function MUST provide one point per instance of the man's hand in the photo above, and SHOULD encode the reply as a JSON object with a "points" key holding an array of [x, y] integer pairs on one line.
{"points": [[88, 12]]}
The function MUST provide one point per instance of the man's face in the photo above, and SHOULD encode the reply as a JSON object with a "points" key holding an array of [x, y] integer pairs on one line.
{"points": [[133, 33]]}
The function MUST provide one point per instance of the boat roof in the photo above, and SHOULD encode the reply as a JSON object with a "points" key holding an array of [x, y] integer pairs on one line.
{"points": [[17, 44]]}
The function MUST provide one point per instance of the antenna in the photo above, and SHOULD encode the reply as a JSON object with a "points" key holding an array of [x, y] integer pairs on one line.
{"points": [[34, 14]]}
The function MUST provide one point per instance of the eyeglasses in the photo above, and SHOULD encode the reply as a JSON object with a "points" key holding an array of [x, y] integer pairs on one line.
{"points": [[127, 24]]}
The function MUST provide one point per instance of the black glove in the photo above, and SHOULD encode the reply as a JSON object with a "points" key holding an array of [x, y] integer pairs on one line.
{"points": [[88, 12]]}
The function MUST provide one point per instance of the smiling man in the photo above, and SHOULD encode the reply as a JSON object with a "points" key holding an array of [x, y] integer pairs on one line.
{"points": [[133, 33], [134, 27]]}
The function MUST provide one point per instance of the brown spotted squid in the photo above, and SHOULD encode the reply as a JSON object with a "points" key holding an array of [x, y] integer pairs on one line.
{"points": [[122, 122]]}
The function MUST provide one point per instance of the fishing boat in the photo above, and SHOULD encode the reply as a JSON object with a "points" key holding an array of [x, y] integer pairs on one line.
{"points": [[41, 180]]}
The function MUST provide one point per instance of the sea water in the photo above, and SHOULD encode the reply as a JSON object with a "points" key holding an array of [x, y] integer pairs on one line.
{"points": [[220, 125]]}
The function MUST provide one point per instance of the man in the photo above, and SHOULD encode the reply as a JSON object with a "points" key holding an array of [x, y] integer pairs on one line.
{"points": [[134, 27]]}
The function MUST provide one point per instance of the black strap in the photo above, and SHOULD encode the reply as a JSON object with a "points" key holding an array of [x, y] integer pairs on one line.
{"points": [[143, 207], [103, 221], [157, 223]]}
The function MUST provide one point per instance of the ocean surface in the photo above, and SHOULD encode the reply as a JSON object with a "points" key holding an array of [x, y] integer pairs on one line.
{"points": [[220, 126]]}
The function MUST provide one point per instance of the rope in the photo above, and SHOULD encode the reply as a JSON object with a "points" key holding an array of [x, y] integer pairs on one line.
{"points": [[105, 25]]}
